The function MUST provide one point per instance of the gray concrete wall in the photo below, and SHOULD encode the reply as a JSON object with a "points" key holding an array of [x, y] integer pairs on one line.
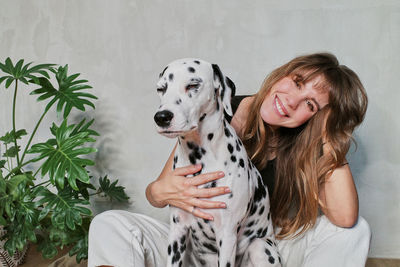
{"points": [[121, 46]]}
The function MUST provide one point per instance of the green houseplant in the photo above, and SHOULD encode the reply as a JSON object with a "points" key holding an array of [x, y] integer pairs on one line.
{"points": [[49, 205]]}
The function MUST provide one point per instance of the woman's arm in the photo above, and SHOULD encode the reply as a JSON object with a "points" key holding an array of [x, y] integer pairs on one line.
{"points": [[339, 196], [173, 188]]}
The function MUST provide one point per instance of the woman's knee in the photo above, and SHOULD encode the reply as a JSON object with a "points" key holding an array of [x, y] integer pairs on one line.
{"points": [[110, 221], [361, 228]]}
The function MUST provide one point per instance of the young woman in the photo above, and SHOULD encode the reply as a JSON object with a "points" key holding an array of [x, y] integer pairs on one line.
{"points": [[297, 130]]}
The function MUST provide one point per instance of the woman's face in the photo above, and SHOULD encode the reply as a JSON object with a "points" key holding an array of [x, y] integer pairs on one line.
{"points": [[290, 103]]}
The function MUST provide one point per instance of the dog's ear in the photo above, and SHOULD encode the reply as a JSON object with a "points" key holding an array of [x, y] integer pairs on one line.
{"points": [[226, 88]]}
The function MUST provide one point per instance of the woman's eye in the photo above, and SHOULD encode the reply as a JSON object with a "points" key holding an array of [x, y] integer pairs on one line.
{"points": [[310, 105], [192, 87]]}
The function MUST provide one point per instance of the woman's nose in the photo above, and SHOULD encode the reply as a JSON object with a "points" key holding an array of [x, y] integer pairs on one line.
{"points": [[293, 100]]}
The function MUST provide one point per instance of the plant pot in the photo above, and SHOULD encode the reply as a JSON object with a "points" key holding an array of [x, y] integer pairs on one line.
{"points": [[10, 261]]}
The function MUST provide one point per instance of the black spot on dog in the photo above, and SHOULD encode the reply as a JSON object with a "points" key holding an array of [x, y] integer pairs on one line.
{"points": [[191, 69], [183, 239], [269, 242], [192, 159], [248, 232], [175, 161], [197, 62], [237, 145], [250, 224], [241, 163], [227, 132], [271, 259], [231, 195], [175, 219], [217, 105], [176, 257], [190, 145], [267, 252], [228, 264], [238, 229], [169, 249], [210, 247], [210, 136], [260, 191], [208, 237], [261, 210], [178, 101], [253, 209], [269, 215], [202, 117], [230, 148], [171, 77], [220, 242], [233, 158], [225, 163], [264, 232], [175, 247], [213, 183]]}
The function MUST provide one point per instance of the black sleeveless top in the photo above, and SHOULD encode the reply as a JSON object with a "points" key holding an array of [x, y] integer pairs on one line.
{"points": [[268, 173]]}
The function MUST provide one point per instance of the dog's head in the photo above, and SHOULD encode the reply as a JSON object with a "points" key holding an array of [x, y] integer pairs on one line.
{"points": [[190, 89]]}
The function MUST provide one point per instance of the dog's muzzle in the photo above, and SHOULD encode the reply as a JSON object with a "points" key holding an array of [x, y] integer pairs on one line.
{"points": [[163, 118]]}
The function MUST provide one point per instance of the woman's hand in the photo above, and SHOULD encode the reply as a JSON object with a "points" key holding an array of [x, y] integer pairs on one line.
{"points": [[175, 189]]}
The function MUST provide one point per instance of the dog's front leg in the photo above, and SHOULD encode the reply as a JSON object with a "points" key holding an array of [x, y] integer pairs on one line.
{"points": [[177, 239], [227, 243]]}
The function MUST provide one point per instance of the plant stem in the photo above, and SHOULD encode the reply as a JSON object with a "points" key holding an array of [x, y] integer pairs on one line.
{"points": [[33, 133], [36, 185], [8, 159], [13, 118], [37, 171], [17, 168]]}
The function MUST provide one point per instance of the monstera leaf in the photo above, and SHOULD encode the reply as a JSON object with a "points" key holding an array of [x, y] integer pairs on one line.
{"points": [[62, 154], [22, 72], [22, 223], [68, 94], [112, 190], [66, 211]]}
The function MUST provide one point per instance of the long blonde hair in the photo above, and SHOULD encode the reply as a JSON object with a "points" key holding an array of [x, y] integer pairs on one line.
{"points": [[301, 167]]}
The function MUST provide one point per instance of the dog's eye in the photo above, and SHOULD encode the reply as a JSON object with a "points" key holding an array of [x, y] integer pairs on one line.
{"points": [[192, 86]]}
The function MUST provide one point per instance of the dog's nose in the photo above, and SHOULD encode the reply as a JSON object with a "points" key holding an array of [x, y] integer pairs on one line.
{"points": [[163, 118]]}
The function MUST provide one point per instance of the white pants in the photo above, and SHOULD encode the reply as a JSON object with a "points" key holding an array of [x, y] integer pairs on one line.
{"points": [[124, 239]]}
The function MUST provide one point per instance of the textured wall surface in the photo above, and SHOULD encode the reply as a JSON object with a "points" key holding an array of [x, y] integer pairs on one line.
{"points": [[121, 46]]}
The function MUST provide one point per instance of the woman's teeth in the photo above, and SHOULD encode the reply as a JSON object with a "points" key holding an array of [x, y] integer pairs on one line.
{"points": [[279, 108]]}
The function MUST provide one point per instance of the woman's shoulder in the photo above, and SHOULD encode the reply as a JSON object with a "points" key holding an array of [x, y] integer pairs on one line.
{"points": [[240, 111], [239, 101]]}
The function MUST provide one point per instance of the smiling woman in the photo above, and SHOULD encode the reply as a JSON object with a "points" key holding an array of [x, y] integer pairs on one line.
{"points": [[291, 102]]}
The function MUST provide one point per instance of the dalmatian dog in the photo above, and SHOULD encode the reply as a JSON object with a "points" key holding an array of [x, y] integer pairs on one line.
{"points": [[194, 95]]}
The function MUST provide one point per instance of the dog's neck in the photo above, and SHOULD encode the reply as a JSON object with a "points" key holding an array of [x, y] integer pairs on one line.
{"points": [[206, 136]]}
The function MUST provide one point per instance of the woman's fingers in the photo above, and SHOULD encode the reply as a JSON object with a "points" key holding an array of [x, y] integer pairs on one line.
{"points": [[199, 213], [208, 204], [187, 170], [211, 192], [206, 177]]}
